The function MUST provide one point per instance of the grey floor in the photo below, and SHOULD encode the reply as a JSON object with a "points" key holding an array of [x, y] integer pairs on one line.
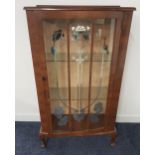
{"points": [[127, 142]]}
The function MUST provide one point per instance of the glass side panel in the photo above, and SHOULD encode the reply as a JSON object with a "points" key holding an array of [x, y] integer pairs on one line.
{"points": [[78, 59]]}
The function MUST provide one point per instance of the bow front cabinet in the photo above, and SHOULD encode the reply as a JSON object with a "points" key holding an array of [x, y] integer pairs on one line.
{"points": [[78, 57]]}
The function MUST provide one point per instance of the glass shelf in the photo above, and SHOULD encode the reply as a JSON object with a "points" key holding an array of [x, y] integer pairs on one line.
{"points": [[74, 93], [62, 57]]}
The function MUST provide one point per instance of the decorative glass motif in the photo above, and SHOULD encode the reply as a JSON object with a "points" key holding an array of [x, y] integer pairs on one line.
{"points": [[53, 50], [57, 35], [59, 114], [63, 121], [78, 115], [80, 30], [97, 109]]}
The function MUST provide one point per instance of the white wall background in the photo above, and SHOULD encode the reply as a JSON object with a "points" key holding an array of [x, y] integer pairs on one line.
{"points": [[26, 96]]}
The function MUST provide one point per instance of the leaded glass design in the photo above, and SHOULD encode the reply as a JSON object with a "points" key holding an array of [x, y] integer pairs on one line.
{"points": [[78, 59]]}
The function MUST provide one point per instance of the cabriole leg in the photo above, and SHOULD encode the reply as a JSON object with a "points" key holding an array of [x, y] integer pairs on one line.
{"points": [[44, 140], [113, 138]]}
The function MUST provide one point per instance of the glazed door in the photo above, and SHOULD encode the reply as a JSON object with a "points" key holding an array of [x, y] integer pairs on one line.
{"points": [[78, 58], [81, 57]]}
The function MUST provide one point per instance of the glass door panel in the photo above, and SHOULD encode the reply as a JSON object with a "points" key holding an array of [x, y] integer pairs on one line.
{"points": [[101, 62], [78, 59]]}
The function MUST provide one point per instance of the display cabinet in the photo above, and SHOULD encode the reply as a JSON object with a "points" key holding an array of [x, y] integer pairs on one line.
{"points": [[78, 56]]}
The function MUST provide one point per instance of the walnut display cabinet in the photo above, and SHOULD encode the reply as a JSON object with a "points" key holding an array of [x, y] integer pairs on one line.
{"points": [[78, 57]]}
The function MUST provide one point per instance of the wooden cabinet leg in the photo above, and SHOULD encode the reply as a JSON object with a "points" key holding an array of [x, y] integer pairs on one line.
{"points": [[44, 142], [113, 138], [44, 138]]}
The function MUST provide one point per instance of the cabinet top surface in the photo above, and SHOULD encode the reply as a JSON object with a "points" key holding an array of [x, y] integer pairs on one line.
{"points": [[82, 8]]}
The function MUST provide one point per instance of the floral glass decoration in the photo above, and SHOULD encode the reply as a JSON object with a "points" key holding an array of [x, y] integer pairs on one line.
{"points": [[98, 107], [78, 115], [59, 114], [80, 30]]}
